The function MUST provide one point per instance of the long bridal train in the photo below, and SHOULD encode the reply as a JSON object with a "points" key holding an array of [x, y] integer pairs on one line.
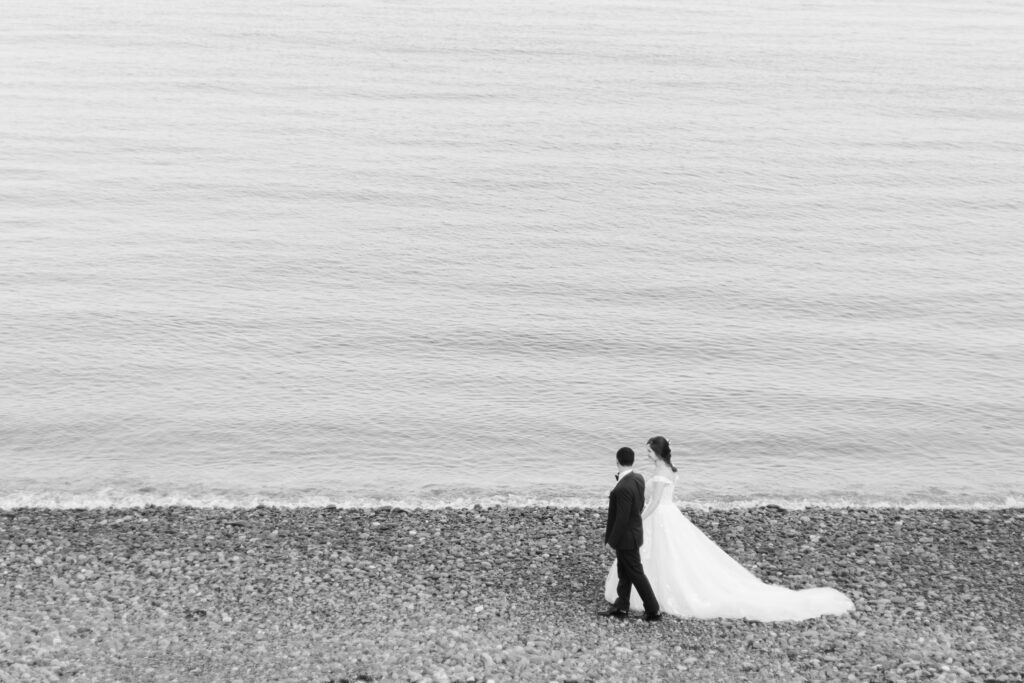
{"points": [[693, 577]]}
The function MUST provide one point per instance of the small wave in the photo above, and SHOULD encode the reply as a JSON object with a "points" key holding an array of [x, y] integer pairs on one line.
{"points": [[115, 499], [1009, 502]]}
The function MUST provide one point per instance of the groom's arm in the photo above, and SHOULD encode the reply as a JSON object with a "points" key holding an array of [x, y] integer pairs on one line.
{"points": [[619, 512], [609, 527], [611, 518]]}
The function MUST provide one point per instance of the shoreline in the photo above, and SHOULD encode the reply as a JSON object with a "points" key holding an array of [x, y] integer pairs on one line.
{"points": [[597, 503], [501, 593]]}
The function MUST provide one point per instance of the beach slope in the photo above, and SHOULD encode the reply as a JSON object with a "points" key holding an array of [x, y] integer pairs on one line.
{"points": [[326, 594]]}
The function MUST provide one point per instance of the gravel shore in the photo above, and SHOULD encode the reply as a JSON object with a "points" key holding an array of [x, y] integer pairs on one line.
{"points": [[181, 594]]}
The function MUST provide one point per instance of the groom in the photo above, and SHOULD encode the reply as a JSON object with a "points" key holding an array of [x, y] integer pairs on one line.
{"points": [[625, 533]]}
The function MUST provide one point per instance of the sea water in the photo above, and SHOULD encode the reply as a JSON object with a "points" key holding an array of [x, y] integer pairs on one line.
{"points": [[457, 252]]}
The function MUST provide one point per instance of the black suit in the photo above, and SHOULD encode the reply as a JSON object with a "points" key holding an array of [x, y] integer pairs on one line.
{"points": [[625, 533]]}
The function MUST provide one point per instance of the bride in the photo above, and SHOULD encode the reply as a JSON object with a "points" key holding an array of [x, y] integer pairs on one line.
{"points": [[693, 577]]}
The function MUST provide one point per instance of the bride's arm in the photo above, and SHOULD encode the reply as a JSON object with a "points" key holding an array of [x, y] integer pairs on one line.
{"points": [[657, 489]]}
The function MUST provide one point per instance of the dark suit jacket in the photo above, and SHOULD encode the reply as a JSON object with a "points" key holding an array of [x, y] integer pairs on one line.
{"points": [[625, 530]]}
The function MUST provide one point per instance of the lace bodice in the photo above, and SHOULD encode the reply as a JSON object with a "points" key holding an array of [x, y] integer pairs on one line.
{"points": [[670, 486]]}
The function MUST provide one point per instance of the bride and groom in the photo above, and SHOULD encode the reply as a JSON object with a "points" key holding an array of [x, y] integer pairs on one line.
{"points": [[664, 563]]}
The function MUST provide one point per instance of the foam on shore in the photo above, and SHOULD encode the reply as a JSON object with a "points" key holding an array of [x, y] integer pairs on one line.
{"points": [[246, 501]]}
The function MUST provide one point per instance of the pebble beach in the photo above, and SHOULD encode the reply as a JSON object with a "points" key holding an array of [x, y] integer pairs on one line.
{"points": [[334, 594]]}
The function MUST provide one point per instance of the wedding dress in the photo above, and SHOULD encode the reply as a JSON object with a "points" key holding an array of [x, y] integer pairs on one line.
{"points": [[693, 577]]}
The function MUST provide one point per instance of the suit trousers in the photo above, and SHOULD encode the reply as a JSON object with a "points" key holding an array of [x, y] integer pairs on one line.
{"points": [[631, 573]]}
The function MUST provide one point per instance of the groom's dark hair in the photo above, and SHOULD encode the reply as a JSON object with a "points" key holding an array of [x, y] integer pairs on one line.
{"points": [[624, 455]]}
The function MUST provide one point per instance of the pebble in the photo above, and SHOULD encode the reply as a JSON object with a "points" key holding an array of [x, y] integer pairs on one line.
{"points": [[489, 593]]}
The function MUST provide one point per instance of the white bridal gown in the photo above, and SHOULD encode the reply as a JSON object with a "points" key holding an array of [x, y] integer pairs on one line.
{"points": [[693, 577]]}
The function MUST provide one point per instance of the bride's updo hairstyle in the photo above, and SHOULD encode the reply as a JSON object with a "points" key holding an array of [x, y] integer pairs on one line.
{"points": [[659, 445]]}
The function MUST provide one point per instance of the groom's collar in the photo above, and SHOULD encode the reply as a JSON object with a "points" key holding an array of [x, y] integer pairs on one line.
{"points": [[620, 475]]}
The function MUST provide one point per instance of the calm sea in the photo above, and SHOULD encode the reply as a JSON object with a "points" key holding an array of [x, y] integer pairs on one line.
{"points": [[454, 252]]}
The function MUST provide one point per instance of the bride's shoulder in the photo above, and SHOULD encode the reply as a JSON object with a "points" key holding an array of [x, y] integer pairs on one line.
{"points": [[663, 479]]}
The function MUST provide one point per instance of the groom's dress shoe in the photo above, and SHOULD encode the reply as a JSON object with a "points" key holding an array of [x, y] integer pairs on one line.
{"points": [[617, 613], [652, 617]]}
